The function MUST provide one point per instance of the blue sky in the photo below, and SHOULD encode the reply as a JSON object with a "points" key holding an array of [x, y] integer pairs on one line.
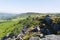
{"points": [[22, 6]]}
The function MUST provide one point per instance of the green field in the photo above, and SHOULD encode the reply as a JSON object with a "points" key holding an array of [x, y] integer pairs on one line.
{"points": [[8, 27]]}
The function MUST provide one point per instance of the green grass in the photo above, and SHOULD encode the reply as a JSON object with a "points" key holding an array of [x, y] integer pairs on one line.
{"points": [[7, 27], [12, 26]]}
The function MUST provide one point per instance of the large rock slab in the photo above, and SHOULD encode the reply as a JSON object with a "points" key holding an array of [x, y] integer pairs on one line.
{"points": [[51, 37], [47, 37]]}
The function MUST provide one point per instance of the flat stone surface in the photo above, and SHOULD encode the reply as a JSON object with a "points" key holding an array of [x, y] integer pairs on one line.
{"points": [[51, 37], [34, 38], [47, 37]]}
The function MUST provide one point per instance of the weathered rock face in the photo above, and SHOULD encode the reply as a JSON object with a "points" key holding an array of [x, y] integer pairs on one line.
{"points": [[47, 20], [50, 27]]}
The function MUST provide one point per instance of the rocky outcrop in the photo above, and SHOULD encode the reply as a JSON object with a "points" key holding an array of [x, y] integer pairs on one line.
{"points": [[46, 27]]}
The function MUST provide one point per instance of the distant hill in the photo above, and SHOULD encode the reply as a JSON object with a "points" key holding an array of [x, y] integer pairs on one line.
{"points": [[35, 14], [23, 15], [6, 16]]}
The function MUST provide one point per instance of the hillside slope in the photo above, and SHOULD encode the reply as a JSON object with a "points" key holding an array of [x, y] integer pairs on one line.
{"points": [[31, 25]]}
